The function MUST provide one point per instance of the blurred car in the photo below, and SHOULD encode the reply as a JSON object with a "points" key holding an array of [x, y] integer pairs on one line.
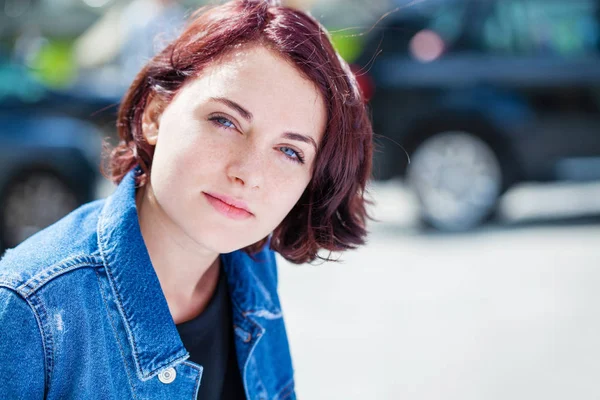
{"points": [[49, 160], [469, 97]]}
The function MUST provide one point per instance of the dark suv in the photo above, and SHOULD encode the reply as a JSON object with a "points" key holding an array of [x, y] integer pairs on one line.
{"points": [[482, 94], [49, 157]]}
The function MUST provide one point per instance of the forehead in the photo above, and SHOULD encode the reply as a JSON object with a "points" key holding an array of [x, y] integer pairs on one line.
{"points": [[262, 82]]}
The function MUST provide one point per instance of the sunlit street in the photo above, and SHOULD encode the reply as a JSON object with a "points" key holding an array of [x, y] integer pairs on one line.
{"points": [[507, 312]]}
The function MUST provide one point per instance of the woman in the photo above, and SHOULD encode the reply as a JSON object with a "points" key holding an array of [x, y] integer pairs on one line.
{"points": [[246, 135]]}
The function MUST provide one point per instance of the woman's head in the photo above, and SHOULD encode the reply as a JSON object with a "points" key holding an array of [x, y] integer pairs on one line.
{"points": [[251, 104]]}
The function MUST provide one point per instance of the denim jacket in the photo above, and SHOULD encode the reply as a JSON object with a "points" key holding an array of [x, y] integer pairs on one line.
{"points": [[83, 316]]}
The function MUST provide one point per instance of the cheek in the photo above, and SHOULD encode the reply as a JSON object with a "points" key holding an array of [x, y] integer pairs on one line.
{"points": [[188, 147], [285, 190]]}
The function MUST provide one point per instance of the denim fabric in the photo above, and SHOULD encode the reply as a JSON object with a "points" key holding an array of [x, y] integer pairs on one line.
{"points": [[83, 316]]}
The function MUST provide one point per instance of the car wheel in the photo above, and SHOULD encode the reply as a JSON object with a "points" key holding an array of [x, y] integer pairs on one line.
{"points": [[457, 178], [31, 202]]}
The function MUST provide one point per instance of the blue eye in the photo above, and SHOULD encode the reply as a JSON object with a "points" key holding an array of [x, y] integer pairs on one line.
{"points": [[222, 122], [292, 154]]}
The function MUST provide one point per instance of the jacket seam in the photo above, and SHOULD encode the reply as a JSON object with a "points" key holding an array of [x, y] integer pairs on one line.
{"points": [[250, 353], [118, 300], [198, 376], [116, 336], [35, 302], [48, 274], [286, 395], [100, 228]]}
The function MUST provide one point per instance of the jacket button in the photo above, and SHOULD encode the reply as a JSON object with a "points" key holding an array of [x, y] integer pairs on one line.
{"points": [[167, 376]]}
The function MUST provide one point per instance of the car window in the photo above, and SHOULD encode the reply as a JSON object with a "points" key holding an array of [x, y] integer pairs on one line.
{"points": [[447, 21], [419, 29], [542, 27]]}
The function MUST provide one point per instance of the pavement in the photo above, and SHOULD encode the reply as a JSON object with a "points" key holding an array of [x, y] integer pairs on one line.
{"points": [[509, 311]]}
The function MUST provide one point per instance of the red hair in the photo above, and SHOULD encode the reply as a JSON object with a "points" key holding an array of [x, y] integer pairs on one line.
{"points": [[331, 214]]}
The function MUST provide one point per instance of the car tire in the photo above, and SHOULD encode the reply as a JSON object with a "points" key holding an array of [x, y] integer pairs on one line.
{"points": [[30, 202], [458, 180]]}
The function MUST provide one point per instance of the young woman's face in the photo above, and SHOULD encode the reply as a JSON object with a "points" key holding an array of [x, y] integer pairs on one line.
{"points": [[235, 148]]}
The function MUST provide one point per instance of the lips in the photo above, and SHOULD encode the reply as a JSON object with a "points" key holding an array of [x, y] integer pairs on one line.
{"points": [[230, 207]]}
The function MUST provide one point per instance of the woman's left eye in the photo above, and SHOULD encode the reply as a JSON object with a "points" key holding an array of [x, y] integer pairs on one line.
{"points": [[292, 154]]}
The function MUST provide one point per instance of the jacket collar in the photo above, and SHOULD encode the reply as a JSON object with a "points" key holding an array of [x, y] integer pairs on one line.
{"points": [[141, 302]]}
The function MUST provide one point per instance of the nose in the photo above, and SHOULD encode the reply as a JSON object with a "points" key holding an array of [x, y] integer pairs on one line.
{"points": [[246, 167]]}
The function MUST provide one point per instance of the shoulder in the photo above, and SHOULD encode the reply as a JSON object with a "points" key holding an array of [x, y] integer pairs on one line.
{"points": [[253, 280], [66, 245], [21, 347], [262, 264]]}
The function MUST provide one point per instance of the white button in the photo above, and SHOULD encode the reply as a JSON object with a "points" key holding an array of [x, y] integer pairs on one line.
{"points": [[167, 376]]}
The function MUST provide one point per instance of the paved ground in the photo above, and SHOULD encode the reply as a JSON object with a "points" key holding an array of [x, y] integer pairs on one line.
{"points": [[509, 312]]}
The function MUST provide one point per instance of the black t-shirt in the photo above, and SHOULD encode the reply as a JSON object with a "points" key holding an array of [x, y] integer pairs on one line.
{"points": [[209, 340]]}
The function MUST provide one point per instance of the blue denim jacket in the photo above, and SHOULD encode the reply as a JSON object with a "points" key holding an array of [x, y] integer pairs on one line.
{"points": [[83, 316]]}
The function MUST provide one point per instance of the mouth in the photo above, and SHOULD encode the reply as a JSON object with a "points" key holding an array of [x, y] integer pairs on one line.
{"points": [[231, 208]]}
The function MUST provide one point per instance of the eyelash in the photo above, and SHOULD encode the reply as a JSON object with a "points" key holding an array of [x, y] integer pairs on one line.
{"points": [[299, 158]]}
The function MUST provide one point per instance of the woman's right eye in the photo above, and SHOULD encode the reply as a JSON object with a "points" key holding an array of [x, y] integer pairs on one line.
{"points": [[222, 122]]}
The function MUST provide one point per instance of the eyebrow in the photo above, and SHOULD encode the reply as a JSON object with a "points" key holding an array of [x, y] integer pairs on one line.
{"points": [[247, 115], [301, 138]]}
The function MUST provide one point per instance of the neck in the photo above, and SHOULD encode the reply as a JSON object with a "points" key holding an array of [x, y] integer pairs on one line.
{"points": [[187, 272]]}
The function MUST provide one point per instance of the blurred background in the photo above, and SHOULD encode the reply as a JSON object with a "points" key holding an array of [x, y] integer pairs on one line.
{"points": [[480, 277]]}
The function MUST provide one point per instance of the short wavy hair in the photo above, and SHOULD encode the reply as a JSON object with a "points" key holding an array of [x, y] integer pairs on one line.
{"points": [[331, 214]]}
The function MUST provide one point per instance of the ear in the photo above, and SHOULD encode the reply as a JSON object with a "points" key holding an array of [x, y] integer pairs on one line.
{"points": [[151, 119]]}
